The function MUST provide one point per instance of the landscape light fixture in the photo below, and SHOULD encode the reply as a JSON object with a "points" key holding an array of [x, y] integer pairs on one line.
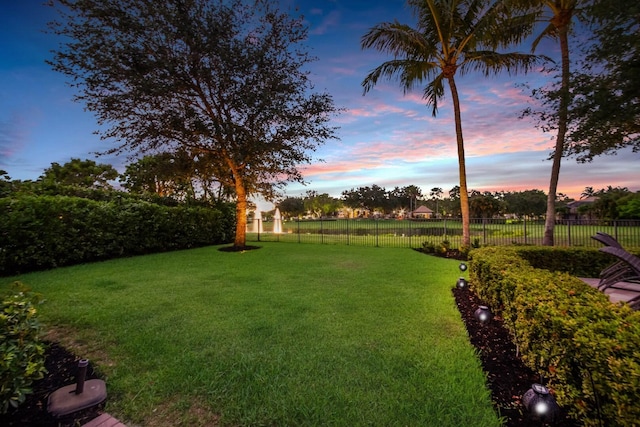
{"points": [[483, 314], [463, 266], [76, 397], [461, 283], [540, 403]]}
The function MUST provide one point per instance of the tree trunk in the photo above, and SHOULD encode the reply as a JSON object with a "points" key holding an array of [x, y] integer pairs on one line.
{"points": [[241, 214], [563, 113], [462, 169]]}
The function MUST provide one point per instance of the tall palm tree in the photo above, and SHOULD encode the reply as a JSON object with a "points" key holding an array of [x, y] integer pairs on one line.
{"points": [[436, 193], [587, 192], [558, 15], [452, 37]]}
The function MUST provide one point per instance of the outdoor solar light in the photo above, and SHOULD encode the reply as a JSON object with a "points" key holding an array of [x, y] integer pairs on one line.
{"points": [[461, 283], [483, 314], [463, 266], [540, 403]]}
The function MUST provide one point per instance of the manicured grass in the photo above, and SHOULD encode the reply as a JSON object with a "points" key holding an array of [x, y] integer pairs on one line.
{"points": [[285, 335]]}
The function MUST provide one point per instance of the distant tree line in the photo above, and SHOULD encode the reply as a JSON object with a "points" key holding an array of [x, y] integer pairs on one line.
{"points": [[374, 200], [172, 180]]}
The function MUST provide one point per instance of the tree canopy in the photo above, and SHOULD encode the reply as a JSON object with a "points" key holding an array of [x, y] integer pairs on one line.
{"points": [[605, 112], [81, 173], [225, 79], [179, 175]]}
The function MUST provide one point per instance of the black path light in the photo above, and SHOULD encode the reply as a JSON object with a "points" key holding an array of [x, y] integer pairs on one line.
{"points": [[540, 403], [483, 314], [462, 283]]}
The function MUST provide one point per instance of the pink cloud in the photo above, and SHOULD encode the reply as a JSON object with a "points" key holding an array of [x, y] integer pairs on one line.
{"points": [[14, 136], [330, 21]]}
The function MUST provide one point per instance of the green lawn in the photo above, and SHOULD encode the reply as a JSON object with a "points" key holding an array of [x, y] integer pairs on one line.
{"points": [[285, 335]]}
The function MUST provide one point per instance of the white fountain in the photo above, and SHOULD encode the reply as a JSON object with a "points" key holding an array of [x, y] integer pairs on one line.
{"points": [[277, 222], [257, 222]]}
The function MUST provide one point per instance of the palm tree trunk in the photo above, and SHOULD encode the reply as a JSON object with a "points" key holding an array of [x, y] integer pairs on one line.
{"points": [[563, 113], [462, 169]]}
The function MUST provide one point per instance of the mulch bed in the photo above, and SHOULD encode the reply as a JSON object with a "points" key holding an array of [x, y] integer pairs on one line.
{"points": [[507, 376]]}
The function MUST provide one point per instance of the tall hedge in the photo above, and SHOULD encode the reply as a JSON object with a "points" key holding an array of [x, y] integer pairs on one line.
{"points": [[586, 348], [41, 232]]}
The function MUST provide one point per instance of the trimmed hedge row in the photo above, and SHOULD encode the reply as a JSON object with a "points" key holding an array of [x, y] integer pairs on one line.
{"points": [[579, 262], [587, 349], [41, 232]]}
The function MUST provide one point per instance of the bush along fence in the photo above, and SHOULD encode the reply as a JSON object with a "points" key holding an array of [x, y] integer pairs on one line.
{"points": [[584, 347], [44, 232], [418, 233]]}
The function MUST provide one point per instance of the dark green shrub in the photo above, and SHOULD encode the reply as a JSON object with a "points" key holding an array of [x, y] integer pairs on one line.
{"points": [[428, 247], [567, 331], [443, 247], [40, 232], [21, 351]]}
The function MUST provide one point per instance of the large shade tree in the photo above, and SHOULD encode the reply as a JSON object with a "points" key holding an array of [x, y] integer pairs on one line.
{"points": [[220, 78], [451, 38]]}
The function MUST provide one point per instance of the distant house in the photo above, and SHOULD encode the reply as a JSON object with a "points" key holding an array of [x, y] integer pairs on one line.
{"points": [[422, 212], [574, 208]]}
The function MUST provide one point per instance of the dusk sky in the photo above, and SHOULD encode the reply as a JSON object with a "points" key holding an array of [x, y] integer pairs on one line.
{"points": [[385, 137]]}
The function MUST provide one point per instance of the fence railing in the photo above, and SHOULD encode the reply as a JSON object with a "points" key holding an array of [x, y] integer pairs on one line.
{"points": [[415, 233]]}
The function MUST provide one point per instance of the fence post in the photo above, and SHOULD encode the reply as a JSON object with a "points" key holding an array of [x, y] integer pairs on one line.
{"points": [[569, 232], [484, 230], [298, 230], [376, 232], [348, 221], [524, 225], [615, 229], [321, 233]]}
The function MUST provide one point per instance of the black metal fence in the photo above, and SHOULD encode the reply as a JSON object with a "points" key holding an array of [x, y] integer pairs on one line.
{"points": [[416, 233]]}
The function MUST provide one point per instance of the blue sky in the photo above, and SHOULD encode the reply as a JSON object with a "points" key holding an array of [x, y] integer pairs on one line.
{"points": [[385, 138]]}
